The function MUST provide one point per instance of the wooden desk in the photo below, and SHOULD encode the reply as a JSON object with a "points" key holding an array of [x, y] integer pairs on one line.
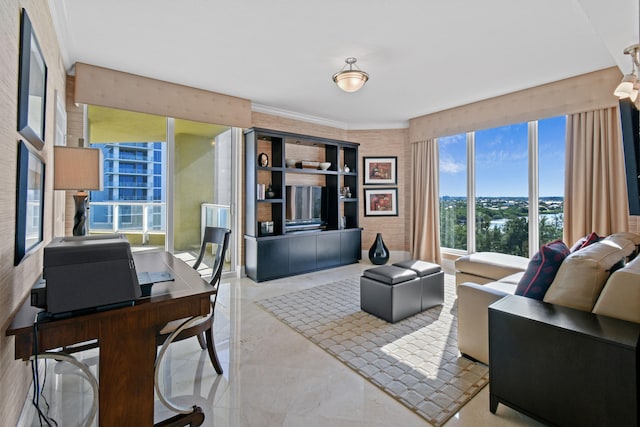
{"points": [[126, 336]]}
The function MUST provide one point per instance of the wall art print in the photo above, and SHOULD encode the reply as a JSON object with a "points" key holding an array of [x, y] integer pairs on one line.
{"points": [[29, 202], [381, 202], [32, 85], [380, 170]]}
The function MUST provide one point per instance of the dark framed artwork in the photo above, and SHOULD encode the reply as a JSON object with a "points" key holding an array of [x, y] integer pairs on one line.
{"points": [[29, 202], [381, 202], [32, 85], [380, 170]]}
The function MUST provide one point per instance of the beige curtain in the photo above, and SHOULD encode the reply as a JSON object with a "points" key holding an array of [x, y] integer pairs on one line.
{"points": [[595, 183], [425, 206]]}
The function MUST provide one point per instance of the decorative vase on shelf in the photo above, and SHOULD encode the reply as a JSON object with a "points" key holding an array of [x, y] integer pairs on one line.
{"points": [[379, 253], [270, 193]]}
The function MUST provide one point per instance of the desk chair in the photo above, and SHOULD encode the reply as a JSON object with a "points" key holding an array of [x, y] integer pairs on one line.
{"points": [[203, 329]]}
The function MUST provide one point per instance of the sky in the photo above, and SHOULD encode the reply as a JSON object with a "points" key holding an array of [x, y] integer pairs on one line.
{"points": [[501, 161]]}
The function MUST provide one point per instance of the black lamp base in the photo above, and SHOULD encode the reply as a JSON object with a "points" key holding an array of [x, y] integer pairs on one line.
{"points": [[80, 217]]}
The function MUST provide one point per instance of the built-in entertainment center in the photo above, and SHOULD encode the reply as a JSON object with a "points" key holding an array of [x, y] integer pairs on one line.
{"points": [[301, 204]]}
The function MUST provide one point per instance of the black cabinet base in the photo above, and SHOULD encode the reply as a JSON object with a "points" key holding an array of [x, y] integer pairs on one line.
{"points": [[268, 258]]}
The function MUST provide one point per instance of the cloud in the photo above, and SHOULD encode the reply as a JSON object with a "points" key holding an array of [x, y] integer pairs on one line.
{"points": [[450, 166], [454, 139]]}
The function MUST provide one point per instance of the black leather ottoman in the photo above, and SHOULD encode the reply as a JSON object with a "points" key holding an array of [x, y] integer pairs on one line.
{"points": [[431, 278], [390, 293]]}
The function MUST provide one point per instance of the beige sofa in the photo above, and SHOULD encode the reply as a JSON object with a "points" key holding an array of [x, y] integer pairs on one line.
{"points": [[584, 282]]}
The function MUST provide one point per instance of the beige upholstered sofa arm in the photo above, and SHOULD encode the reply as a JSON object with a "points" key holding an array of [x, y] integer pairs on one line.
{"points": [[473, 319], [621, 294]]}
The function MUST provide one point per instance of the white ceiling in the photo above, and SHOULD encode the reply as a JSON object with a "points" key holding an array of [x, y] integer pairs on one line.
{"points": [[422, 56]]}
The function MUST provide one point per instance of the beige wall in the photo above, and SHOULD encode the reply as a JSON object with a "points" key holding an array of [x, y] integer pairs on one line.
{"points": [[392, 142], [15, 282]]}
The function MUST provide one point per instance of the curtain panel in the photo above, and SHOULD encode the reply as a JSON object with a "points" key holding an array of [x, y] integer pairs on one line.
{"points": [[595, 180], [425, 202]]}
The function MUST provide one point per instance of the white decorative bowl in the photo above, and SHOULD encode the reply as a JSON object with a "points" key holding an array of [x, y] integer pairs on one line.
{"points": [[325, 165], [291, 163]]}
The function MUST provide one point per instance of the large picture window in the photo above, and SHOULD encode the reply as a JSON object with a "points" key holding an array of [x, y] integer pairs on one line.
{"points": [[501, 182], [514, 180], [453, 191]]}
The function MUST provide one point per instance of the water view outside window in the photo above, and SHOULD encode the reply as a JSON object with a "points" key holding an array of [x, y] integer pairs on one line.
{"points": [[453, 191], [551, 155], [502, 202], [500, 222]]}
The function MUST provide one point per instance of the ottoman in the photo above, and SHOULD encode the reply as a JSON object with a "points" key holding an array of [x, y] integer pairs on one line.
{"points": [[390, 293], [431, 280]]}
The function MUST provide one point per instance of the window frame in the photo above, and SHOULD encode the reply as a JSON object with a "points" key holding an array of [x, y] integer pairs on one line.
{"points": [[533, 195]]}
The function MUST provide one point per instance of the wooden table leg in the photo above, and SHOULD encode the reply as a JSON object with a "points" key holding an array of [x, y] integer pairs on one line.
{"points": [[127, 355]]}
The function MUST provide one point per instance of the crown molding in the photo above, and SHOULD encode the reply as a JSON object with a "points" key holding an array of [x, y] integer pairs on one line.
{"points": [[58, 12], [280, 112]]}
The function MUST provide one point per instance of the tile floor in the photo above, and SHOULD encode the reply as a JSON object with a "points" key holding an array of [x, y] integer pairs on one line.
{"points": [[272, 375]]}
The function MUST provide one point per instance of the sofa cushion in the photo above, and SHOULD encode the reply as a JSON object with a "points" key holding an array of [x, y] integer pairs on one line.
{"points": [[621, 294], [513, 279], [585, 241], [542, 270], [626, 244], [506, 287], [491, 265], [583, 274], [633, 237]]}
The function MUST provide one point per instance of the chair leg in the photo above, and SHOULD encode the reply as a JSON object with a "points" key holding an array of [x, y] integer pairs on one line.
{"points": [[211, 346], [201, 341]]}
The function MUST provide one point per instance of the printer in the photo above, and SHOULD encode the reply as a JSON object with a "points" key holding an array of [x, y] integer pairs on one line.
{"points": [[87, 272]]}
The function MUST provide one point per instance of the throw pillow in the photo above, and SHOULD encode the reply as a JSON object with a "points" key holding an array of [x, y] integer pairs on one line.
{"points": [[542, 270], [585, 241]]}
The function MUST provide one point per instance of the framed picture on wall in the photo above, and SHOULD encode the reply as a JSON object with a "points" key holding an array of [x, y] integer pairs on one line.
{"points": [[32, 85], [380, 170], [29, 202], [381, 202]]}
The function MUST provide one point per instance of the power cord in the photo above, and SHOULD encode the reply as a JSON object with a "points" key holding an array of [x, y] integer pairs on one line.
{"points": [[37, 391]]}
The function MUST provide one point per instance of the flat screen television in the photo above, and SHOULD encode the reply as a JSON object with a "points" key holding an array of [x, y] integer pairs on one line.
{"points": [[305, 207], [630, 118]]}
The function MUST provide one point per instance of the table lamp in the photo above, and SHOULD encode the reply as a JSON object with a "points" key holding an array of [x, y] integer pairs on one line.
{"points": [[78, 169]]}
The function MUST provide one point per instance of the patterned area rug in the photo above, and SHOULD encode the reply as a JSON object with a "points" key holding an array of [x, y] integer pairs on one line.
{"points": [[415, 360]]}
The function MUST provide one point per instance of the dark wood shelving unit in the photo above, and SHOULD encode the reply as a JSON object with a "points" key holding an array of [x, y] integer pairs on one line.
{"points": [[284, 252]]}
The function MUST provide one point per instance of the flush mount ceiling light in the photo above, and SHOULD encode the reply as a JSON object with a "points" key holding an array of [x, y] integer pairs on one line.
{"points": [[629, 86], [350, 80]]}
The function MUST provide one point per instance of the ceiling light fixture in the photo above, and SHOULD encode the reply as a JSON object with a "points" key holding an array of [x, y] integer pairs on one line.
{"points": [[350, 80], [628, 88]]}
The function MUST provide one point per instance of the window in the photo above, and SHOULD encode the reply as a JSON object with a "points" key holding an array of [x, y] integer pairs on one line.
{"points": [[551, 154], [453, 191], [502, 203], [515, 182]]}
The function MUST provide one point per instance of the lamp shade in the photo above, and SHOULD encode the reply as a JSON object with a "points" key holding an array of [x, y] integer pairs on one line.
{"points": [[350, 80], [625, 88], [77, 168]]}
